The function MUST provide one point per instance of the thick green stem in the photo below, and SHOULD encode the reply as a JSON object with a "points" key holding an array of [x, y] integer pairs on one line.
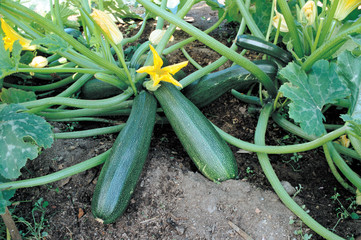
{"points": [[46, 87], [215, 45], [353, 177], [290, 127], [327, 46], [191, 39], [328, 22], [249, 20], [80, 103], [276, 184], [334, 171], [89, 133], [139, 33], [53, 177], [281, 149], [109, 111], [213, 66], [286, 11], [190, 59], [46, 24]]}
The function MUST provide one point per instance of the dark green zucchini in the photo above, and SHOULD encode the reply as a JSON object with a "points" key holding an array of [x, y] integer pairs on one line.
{"points": [[213, 85], [204, 145], [121, 171], [262, 46], [97, 89]]}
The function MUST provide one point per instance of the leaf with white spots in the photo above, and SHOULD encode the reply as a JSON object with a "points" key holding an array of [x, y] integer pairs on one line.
{"points": [[21, 137], [311, 92]]}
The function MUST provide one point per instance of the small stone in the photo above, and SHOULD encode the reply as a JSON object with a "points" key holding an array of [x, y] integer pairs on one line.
{"points": [[289, 188], [180, 230]]}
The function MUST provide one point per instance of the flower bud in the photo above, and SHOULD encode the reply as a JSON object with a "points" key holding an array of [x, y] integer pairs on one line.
{"points": [[107, 24], [277, 18], [157, 35], [39, 62], [309, 11]]}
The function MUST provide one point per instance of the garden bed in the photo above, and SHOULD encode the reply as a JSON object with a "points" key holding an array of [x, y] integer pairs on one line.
{"points": [[173, 200]]}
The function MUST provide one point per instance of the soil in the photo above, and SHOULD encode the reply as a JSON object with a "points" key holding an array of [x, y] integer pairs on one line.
{"points": [[172, 199]]}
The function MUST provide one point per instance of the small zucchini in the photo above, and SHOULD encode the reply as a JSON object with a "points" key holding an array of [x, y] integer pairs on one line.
{"points": [[260, 45], [213, 85], [204, 145], [121, 171], [97, 89]]}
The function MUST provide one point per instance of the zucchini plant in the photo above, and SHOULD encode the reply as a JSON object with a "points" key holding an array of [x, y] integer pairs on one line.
{"points": [[89, 75]]}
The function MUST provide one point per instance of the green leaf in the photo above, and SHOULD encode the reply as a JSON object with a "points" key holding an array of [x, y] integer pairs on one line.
{"points": [[310, 92], [9, 62], [261, 13], [14, 95], [21, 136], [5, 196], [233, 15], [53, 42], [349, 71]]}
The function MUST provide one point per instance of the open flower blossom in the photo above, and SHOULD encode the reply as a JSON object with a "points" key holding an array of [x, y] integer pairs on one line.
{"points": [[158, 74], [107, 24], [39, 62], [309, 11], [277, 18], [11, 36], [157, 35], [345, 7]]}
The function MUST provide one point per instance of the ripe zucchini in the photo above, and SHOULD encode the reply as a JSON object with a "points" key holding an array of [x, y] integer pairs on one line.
{"points": [[121, 171], [260, 45], [204, 145], [212, 86]]}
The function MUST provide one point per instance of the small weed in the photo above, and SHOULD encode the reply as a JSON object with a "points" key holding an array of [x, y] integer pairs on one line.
{"points": [[344, 212], [298, 190], [300, 231], [294, 162], [35, 230], [71, 126], [249, 170]]}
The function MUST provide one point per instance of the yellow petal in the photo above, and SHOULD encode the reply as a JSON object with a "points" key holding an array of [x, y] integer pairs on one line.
{"points": [[157, 60], [172, 69], [146, 69], [107, 24], [170, 79], [11, 36]]}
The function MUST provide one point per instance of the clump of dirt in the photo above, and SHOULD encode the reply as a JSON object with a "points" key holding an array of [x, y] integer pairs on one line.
{"points": [[172, 200]]}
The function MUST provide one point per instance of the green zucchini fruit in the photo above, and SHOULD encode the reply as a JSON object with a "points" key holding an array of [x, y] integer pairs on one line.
{"points": [[204, 145], [121, 171], [260, 45], [97, 89], [210, 87]]}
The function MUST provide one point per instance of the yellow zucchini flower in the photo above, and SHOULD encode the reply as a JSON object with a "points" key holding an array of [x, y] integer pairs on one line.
{"points": [[309, 11], [158, 74], [277, 18], [107, 24], [11, 36], [345, 7]]}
